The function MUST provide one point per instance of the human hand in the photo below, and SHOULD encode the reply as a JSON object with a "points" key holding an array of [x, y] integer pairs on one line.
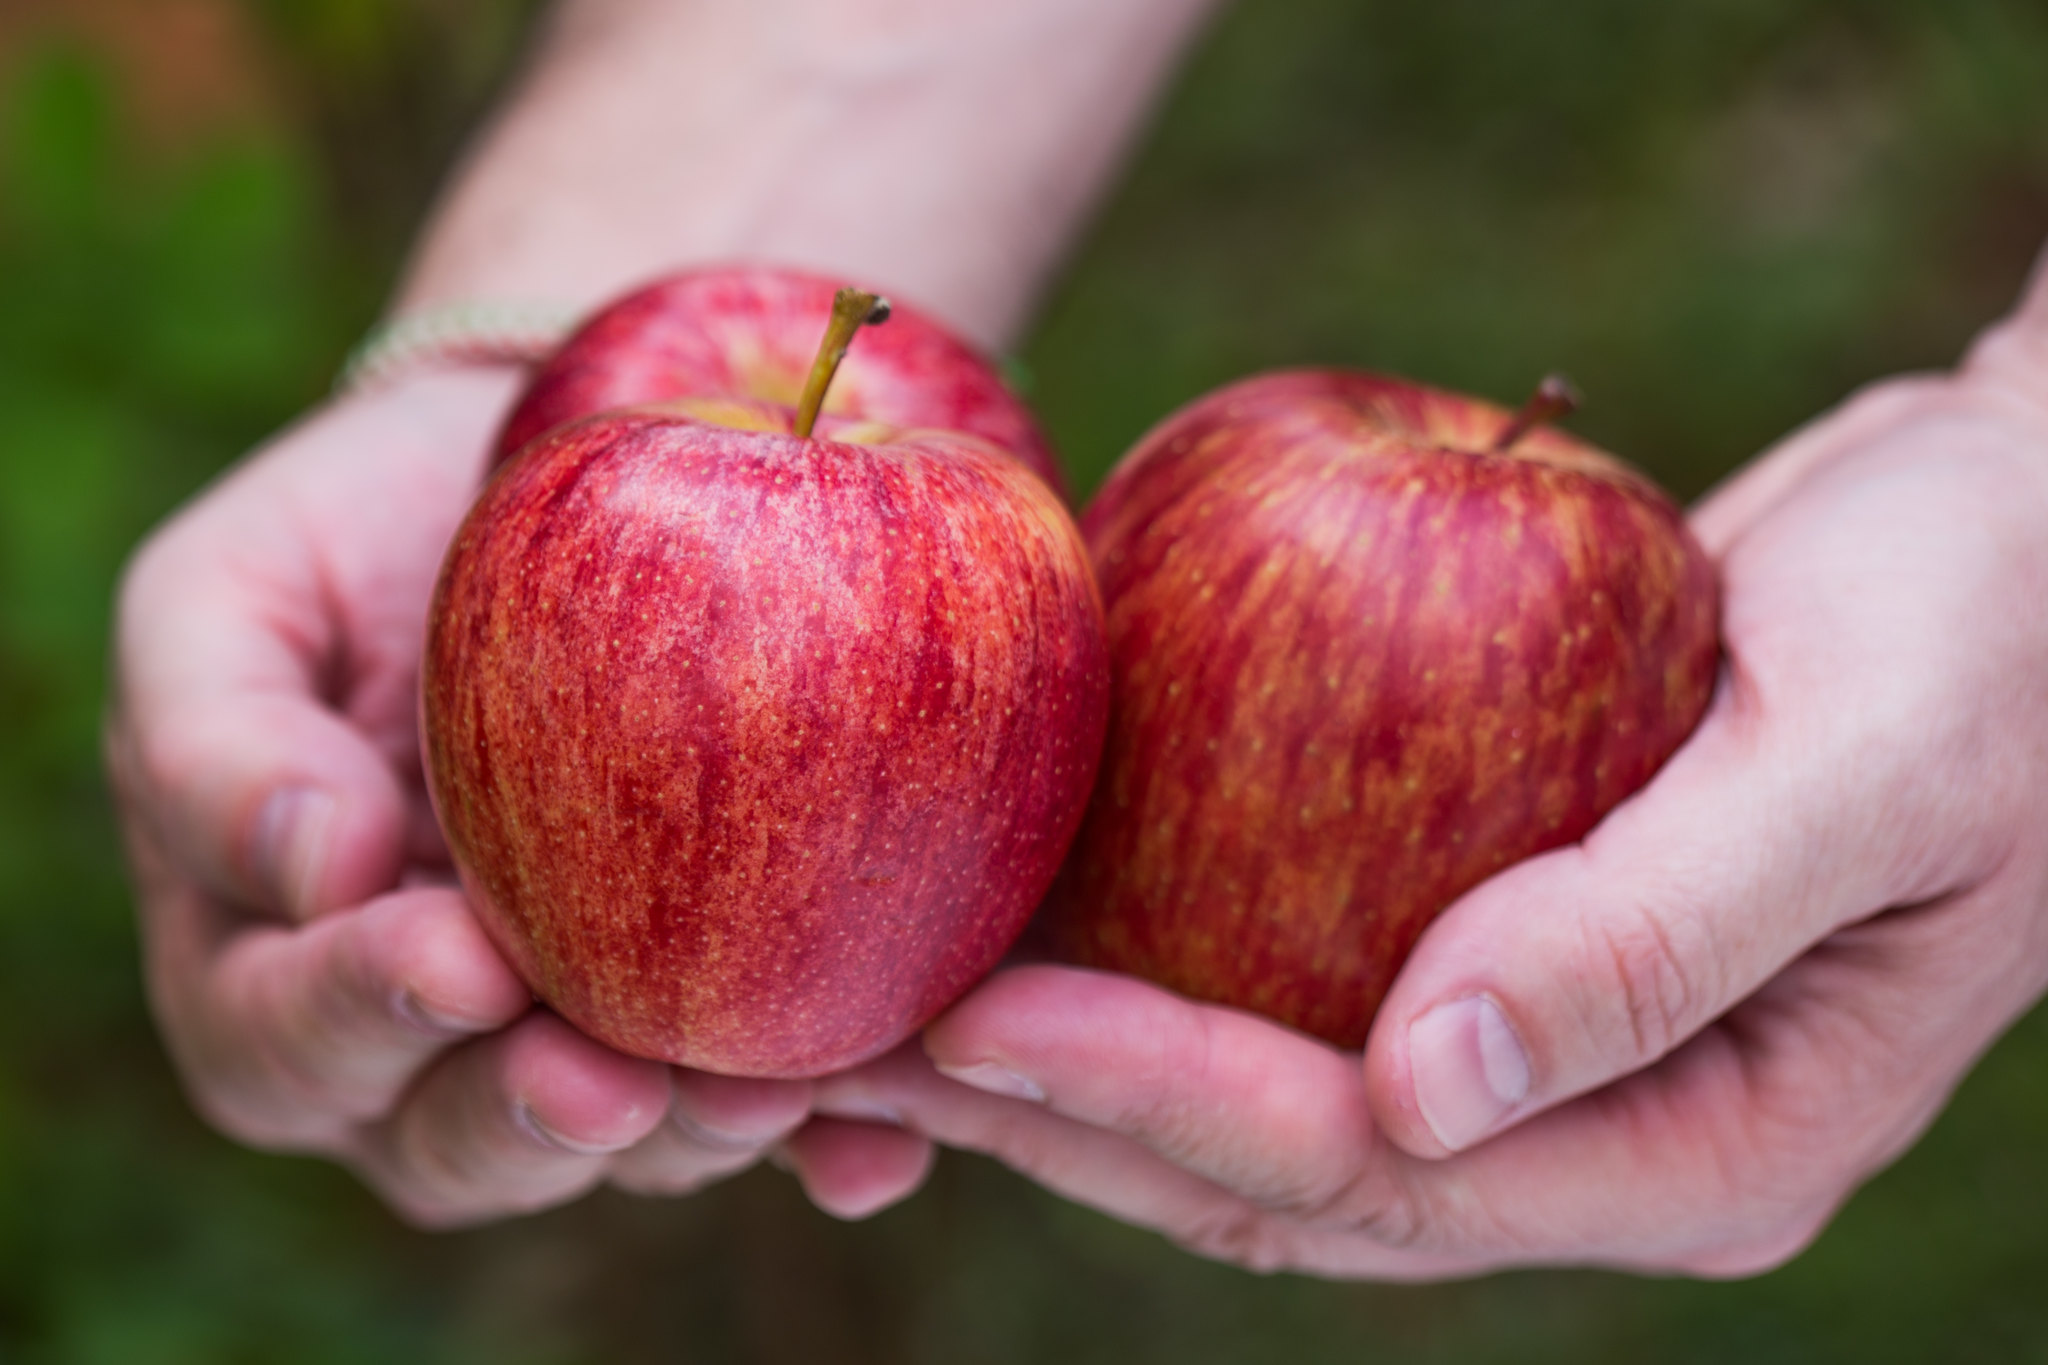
{"points": [[320, 981], [320, 984], [1682, 1043]]}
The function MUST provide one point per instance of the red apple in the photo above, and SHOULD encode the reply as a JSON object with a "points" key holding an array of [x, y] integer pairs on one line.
{"points": [[1370, 643], [748, 332], [755, 749]]}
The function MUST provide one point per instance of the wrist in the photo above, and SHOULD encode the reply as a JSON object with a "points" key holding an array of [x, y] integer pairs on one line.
{"points": [[943, 152], [472, 334], [448, 418]]}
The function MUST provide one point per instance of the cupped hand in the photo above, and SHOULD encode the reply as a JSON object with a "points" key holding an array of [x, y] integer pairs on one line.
{"points": [[1680, 1044], [319, 979]]}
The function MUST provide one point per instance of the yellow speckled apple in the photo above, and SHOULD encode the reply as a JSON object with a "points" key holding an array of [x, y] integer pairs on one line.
{"points": [[747, 332], [756, 745], [1370, 643]]}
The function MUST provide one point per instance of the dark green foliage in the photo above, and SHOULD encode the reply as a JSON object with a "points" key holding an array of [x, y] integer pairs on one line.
{"points": [[1714, 216], [1719, 217]]}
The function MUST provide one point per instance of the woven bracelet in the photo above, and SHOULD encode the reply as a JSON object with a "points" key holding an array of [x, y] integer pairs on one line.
{"points": [[452, 335]]}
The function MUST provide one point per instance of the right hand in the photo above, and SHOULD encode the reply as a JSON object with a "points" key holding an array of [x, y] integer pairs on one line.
{"points": [[320, 981], [1681, 1043]]}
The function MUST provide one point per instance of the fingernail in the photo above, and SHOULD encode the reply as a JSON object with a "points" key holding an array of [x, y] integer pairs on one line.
{"points": [[1468, 1070], [996, 1080], [409, 1011], [290, 849], [529, 1123], [862, 1107], [719, 1139]]}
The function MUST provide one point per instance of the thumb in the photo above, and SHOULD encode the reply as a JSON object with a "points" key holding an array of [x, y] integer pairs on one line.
{"points": [[1591, 962], [222, 749]]}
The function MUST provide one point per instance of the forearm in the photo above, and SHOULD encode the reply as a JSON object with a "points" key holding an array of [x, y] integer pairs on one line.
{"points": [[943, 149]]}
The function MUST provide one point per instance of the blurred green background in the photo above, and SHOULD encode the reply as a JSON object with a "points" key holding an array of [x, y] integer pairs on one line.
{"points": [[1718, 215]]}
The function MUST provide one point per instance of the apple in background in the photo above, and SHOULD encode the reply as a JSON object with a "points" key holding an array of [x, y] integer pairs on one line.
{"points": [[1370, 643], [756, 747], [749, 332]]}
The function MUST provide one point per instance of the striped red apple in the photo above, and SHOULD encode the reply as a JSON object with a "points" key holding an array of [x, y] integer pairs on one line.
{"points": [[1370, 643], [748, 332], [756, 744]]}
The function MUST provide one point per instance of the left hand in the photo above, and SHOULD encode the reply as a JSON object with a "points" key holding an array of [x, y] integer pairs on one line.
{"points": [[320, 983], [1679, 1045]]}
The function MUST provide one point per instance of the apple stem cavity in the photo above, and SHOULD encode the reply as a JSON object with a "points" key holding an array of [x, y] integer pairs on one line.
{"points": [[851, 310], [1555, 397]]}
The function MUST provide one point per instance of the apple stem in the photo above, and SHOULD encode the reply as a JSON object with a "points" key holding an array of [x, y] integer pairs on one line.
{"points": [[850, 310], [1554, 398]]}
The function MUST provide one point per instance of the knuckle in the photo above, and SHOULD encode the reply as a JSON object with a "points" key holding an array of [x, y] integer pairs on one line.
{"points": [[669, 1182], [139, 576], [268, 1108], [1240, 1234], [258, 1120], [1262, 1237], [227, 1113], [149, 583], [288, 1053], [1787, 1144], [1162, 1109], [1345, 1198], [430, 1176], [1170, 1126], [157, 760], [281, 1025], [1646, 973], [237, 1088], [1394, 1220], [1757, 1253], [421, 1215], [636, 1172], [413, 1203], [1780, 1170], [1031, 1149]]}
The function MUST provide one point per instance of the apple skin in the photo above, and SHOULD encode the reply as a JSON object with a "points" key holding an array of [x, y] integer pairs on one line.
{"points": [[750, 332], [1360, 662], [754, 752]]}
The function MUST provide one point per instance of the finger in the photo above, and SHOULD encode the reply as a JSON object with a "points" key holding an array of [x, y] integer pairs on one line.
{"points": [[1780, 820], [220, 742], [1117, 1053], [1741, 500], [854, 1169], [518, 1121], [1823, 785], [1724, 1159], [290, 1036], [716, 1126], [1593, 961], [1729, 1157], [1109, 1171]]}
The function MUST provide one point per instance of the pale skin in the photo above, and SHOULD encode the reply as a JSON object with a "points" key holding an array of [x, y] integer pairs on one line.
{"points": [[321, 985], [1749, 989], [1676, 1046]]}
